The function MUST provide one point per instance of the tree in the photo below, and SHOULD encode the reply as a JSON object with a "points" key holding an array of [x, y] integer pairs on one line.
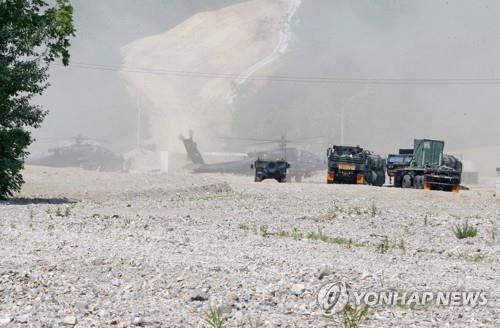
{"points": [[33, 34]]}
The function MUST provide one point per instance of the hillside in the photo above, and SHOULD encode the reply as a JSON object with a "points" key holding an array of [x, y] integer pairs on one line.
{"points": [[238, 40]]}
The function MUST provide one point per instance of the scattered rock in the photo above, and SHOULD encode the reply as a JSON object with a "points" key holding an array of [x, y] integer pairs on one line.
{"points": [[198, 296], [69, 321], [138, 321], [115, 272], [5, 321], [21, 319], [298, 289], [324, 272]]}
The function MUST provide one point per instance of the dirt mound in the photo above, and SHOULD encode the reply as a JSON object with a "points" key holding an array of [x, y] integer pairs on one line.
{"points": [[229, 44]]}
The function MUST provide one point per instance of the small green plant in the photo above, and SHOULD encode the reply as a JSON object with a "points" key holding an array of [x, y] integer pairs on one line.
{"points": [[351, 317], [244, 227], [402, 245], [214, 318], [465, 230], [351, 211], [313, 235], [426, 220], [282, 234], [296, 234], [384, 246], [374, 210], [51, 227], [255, 323], [319, 235], [477, 258]]}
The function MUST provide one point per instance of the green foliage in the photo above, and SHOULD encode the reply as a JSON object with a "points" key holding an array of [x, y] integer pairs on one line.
{"points": [[384, 246], [351, 317], [32, 35], [214, 318], [465, 231], [295, 234], [331, 240], [402, 245], [244, 227], [255, 323]]}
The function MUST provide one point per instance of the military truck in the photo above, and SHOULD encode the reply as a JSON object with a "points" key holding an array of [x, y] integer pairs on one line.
{"points": [[398, 161], [430, 169], [354, 165], [270, 170]]}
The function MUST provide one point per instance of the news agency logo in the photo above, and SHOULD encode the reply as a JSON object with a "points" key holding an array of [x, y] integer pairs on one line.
{"points": [[333, 297]]}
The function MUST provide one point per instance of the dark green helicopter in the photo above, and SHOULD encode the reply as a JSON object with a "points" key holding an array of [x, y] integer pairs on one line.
{"points": [[85, 153], [302, 162]]}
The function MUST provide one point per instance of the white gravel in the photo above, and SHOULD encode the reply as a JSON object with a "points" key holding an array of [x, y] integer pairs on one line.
{"points": [[91, 249]]}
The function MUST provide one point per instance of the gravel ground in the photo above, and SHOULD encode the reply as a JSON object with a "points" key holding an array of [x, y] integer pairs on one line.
{"points": [[91, 249]]}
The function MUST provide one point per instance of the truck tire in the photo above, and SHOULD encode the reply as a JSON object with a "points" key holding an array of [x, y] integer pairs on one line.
{"points": [[374, 178], [407, 182], [419, 182], [398, 181], [381, 178]]}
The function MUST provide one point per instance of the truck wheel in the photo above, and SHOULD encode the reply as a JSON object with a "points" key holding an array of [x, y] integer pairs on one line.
{"points": [[397, 181], [381, 178], [374, 179], [407, 182], [419, 182]]}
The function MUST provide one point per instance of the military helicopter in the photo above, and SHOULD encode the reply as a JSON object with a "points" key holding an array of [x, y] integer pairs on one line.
{"points": [[302, 162], [86, 153]]}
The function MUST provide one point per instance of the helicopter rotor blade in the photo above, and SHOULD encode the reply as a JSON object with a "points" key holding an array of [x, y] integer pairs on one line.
{"points": [[309, 138], [48, 140], [260, 143], [246, 139]]}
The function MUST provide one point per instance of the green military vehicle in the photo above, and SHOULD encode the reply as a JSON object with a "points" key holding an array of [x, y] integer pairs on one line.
{"points": [[270, 170], [354, 165], [398, 161], [430, 169]]}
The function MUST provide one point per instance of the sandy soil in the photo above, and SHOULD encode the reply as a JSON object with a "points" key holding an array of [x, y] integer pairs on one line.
{"points": [[100, 249]]}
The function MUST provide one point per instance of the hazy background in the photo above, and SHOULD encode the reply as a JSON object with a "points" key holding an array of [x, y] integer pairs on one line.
{"points": [[425, 39]]}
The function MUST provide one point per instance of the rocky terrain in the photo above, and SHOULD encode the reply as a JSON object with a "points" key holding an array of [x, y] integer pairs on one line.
{"points": [[91, 249]]}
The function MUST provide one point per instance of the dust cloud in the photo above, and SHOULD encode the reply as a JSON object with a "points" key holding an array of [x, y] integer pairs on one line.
{"points": [[424, 40]]}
